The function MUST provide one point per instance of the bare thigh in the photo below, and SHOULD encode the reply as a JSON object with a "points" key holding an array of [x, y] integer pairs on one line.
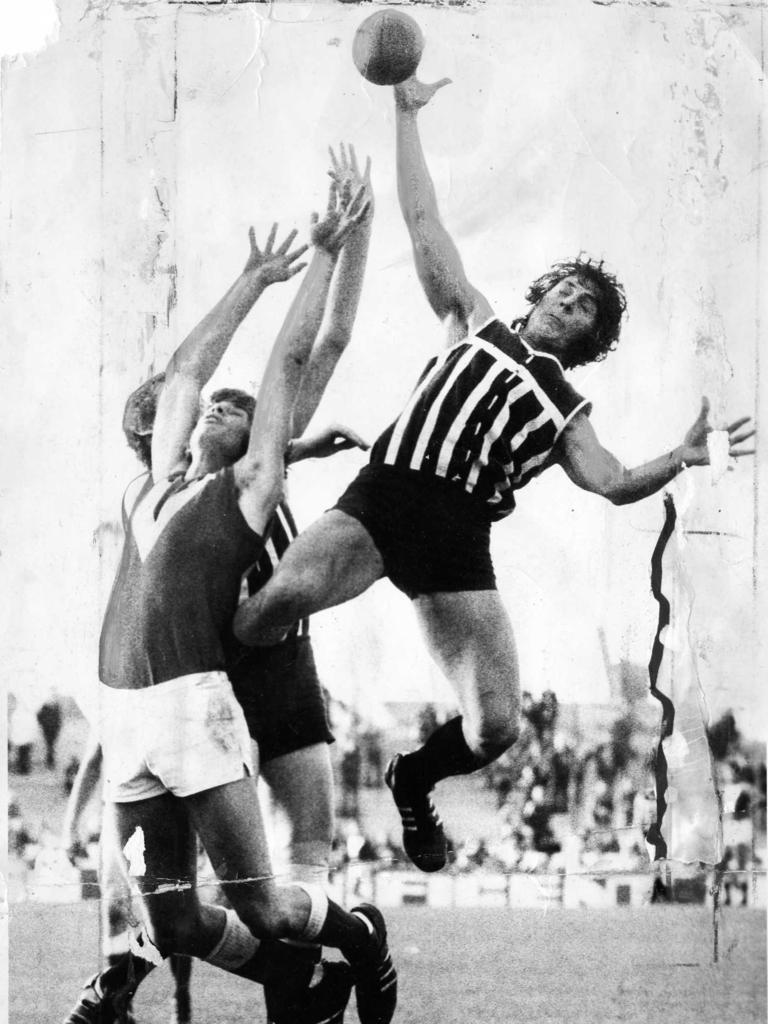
{"points": [[470, 639], [331, 562], [301, 784]]}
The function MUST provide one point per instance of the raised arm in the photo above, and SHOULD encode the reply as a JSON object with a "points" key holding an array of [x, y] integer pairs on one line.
{"points": [[438, 263], [595, 469], [344, 295], [194, 362], [259, 474]]}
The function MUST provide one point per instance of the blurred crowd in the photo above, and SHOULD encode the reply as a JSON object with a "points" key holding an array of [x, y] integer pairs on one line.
{"points": [[562, 803]]}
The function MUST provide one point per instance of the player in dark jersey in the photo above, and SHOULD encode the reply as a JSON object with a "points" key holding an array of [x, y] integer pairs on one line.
{"points": [[174, 740], [486, 416], [278, 687]]}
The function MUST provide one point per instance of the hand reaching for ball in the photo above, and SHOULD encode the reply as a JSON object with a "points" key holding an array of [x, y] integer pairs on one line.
{"points": [[346, 209], [345, 171], [413, 94]]}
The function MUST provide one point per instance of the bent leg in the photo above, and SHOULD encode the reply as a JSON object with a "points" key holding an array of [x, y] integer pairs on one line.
{"points": [[469, 637], [331, 562], [178, 922], [228, 820]]}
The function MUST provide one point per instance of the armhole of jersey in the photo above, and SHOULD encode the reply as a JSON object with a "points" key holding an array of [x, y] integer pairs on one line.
{"points": [[584, 406], [131, 496], [491, 319]]}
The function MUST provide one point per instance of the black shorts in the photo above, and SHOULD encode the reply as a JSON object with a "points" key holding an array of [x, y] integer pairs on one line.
{"points": [[432, 536], [281, 696]]}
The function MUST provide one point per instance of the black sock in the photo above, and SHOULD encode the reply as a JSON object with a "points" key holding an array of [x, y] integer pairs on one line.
{"points": [[277, 963], [124, 974], [444, 754], [181, 969], [346, 932]]}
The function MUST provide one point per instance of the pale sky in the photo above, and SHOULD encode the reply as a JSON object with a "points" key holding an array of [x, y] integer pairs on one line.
{"points": [[630, 133]]}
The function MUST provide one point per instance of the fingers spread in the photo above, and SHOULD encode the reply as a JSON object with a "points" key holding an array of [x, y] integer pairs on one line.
{"points": [[287, 243], [333, 193], [736, 454], [270, 240], [291, 256], [738, 423], [743, 436], [357, 199], [353, 161]]}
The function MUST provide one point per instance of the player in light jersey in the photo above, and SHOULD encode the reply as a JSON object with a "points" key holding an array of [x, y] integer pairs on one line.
{"points": [[174, 740], [488, 414]]}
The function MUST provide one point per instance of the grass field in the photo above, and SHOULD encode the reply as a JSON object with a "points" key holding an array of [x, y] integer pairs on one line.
{"points": [[459, 965]]}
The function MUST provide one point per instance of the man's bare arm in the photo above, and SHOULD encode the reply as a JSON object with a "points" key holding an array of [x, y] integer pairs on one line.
{"points": [[593, 468], [259, 474], [344, 297], [194, 362], [328, 441], [438, 263]]}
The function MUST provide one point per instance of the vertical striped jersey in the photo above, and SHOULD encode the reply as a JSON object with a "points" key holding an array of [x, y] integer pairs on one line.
{"points": [[485, 415], [282, 531]]}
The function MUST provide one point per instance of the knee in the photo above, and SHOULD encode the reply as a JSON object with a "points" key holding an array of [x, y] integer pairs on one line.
{"points": [[265, 916], [284, 595], [268, 921], [494, 736]]}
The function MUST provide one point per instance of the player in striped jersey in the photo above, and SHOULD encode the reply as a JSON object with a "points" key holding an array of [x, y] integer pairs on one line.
{"points": [[487, 415]]}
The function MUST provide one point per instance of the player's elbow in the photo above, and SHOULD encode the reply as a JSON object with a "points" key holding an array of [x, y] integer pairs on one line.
{"points": [[612, 486], [619, 491], [620, 497]]}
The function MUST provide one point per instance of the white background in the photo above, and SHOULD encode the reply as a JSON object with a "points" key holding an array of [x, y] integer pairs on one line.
{"points": [[141, 141]]}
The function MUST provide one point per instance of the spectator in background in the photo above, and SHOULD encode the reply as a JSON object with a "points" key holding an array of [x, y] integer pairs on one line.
{"points": [[22, 733], [50, 720]]}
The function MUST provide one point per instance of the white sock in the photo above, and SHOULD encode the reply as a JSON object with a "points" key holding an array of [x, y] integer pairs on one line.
{"points": [[235, 947], [116, 945], [318, 911]]}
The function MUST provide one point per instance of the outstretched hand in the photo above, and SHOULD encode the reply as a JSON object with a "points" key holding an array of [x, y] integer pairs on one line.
{"points": [[334, 438], [695, 441], [345, 210], [277, 265], [345, 172], [413, 94]]}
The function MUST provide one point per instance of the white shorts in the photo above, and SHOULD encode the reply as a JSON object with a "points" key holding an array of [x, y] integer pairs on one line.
{"points": [[181, 737]]}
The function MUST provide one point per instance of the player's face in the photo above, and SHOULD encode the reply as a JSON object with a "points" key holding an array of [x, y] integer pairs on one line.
{"points": [[565, 314], [223, 426]]}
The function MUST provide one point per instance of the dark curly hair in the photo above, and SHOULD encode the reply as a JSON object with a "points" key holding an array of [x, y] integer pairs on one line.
{"points": [[139, 417], [612, 305]]}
